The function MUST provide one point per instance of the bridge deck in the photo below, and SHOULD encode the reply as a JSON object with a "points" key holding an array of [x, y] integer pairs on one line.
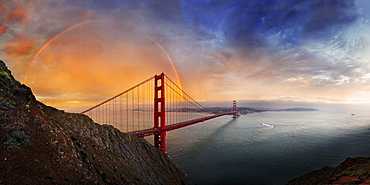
{"points": [[152, 131]]}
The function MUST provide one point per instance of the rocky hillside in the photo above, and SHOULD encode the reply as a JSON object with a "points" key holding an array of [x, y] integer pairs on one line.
{"points": [[351, 171], [42, 145]]}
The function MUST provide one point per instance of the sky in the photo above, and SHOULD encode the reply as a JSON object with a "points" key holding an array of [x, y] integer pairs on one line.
{"points": [[76, 53]]}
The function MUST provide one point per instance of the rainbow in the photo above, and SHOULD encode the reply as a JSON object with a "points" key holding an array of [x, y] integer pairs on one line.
{"points": [[60, 34], [91, 22], [169, 59], [52, 39]]}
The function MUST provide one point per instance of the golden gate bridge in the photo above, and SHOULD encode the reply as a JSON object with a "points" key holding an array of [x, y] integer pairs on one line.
{"points": [[153, 107]]}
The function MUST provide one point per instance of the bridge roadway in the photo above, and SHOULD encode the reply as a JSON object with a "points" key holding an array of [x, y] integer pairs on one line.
{"points": [[153, 131]]}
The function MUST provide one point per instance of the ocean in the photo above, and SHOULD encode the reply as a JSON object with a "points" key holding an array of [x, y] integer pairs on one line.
{"points": [[269, 147]]}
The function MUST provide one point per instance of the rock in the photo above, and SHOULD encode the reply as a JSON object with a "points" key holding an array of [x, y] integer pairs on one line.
{"points": [[351, 171], [60, 154], [6, 105]]}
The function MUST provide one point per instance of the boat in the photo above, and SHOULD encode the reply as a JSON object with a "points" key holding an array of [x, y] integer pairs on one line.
{"points": [[267, 125]]}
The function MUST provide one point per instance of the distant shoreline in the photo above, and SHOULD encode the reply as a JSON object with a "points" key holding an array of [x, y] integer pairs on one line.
{"points": [[243, 110]]}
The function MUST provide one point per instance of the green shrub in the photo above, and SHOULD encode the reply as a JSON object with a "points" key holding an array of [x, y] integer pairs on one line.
{"points": [[17, 139], [12, 143], [7, 100], [5, 75]]}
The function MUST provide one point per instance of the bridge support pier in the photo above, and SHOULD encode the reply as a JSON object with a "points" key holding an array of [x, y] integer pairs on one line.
{"points": [[234, 110], [160, 113]]}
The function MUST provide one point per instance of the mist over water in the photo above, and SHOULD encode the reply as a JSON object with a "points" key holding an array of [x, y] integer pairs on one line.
{"points": [[286, 145]]}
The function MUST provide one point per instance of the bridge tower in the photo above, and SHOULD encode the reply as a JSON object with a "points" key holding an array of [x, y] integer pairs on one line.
{"points": [[234, 109], [160, 113]]}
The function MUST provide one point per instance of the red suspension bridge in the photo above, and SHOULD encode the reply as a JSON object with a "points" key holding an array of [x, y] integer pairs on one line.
{"points": [[135, 112]]}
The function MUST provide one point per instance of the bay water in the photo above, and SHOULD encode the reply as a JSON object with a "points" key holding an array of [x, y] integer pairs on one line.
{"points": [[269, 147]]}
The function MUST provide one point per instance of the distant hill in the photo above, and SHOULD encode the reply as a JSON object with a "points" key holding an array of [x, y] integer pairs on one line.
{"points": [[248, 110], [299, 109], [42, 145]]}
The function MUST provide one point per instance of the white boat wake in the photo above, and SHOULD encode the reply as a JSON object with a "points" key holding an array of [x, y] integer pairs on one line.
{"points": [[267, 125]]}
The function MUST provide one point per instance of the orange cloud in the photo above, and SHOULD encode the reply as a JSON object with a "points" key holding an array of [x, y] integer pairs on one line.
{"points": [[3, 29], [2, 8], [15, 12], [18, 50], [16, 16]]}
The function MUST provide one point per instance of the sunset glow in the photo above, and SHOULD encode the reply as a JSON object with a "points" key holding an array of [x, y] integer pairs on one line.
{"points": [[91, 68], [75, 54]]}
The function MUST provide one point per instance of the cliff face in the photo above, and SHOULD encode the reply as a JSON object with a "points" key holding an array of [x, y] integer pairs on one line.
{"points": [[40, 144], [351, 171]]}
